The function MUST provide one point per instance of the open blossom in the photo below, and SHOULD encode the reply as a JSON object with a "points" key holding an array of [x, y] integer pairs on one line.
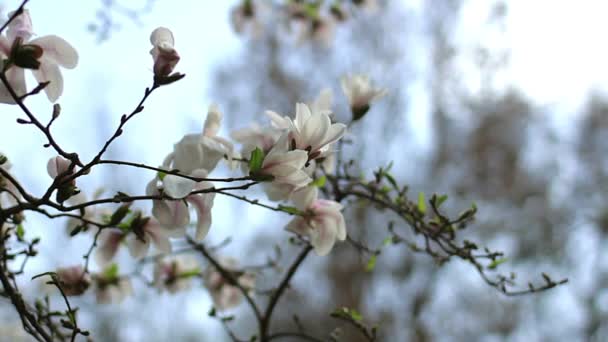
{"points": [[43, 55], [164, 54], [286, 167], [201, 151], [174, 215], [176, 273], [225, 295], [310, 131], [360, 93], [73, 280], [108, 243], [147, 232], [110, 287], [322, 222]]}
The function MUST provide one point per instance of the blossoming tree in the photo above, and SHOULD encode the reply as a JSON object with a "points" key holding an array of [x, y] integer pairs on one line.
{"points": [[297, 160]]}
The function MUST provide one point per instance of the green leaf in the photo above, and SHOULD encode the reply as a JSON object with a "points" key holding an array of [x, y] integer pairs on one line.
{"points": [[255, 160], [391, 179], [355, 315], [387, 241], [440, 200], [289, 210], [3, 159], [161, 175], [496, 262], [319, 182], [20, 232], [111, 272], [421, 203], [371, 263]]}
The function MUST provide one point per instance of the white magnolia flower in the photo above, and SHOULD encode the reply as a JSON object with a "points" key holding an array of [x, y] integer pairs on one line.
{"points": [[201, 151], [73, 280], [322, 222], [43, 55], [286, 168], [111, 288], [164, 54], [150, 231], [310, 131], [176, 273], [56, 166], [174, 215], [360, 93], [108, 243], [225, 295], [256, 136]]}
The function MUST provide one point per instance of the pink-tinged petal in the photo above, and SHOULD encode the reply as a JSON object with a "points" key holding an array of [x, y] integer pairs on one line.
{"points": [[49, 72], [304, 197], [20, 27], [16, 78], [56, 166], [57, 51], [173, 215], [298, 225], [5, 46], [202, 205], [177, 187], [158, 236], [109, 242], [137, 248], [323, 238]]}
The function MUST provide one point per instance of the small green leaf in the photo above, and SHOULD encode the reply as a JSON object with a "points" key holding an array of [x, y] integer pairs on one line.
{"points": [[391, 180], [20, 232], [111, 272], [440, 200], [496, 263], [212, 312], [161, 175], [421, 203], [355, 315], [289, 210], [256, 160], [371, 263], [319, 182], [387, 241]]}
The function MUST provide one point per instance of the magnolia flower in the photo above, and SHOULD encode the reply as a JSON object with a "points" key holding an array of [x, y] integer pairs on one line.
{"points": [[360, 93], [285, 167], [201, 151], [73, 280], [225, 295], [42, 55], [146, 232], [108, 242], [256, 136], [322, 221], [310, 131], [164, 54], [244, 17], [111, 288], [175, 274], [56, 166], [174, 215]]}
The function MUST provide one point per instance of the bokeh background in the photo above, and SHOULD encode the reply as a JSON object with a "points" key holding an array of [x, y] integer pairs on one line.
{"points": [[500, 103]]}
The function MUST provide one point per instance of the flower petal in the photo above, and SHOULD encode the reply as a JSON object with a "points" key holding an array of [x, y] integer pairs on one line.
{"points": [[49, 72], [16, 78], [57, 51], [177, 187], [323, 237]]}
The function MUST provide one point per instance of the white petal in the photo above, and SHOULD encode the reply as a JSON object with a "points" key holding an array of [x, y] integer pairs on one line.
{"points": [[203, 205], [57, 50], [49, 72], [299, 226], [304, 197], [335, 132], [302, 115], [315, 130], [177, 187], [323, 238], [213, 121], [16, 78], [162, 35], [137, 248]]}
